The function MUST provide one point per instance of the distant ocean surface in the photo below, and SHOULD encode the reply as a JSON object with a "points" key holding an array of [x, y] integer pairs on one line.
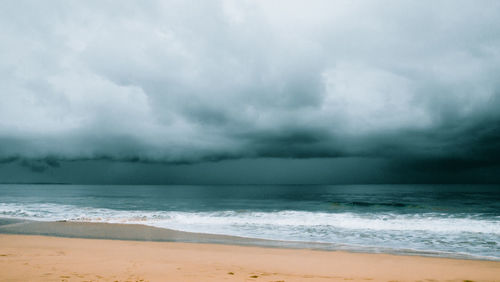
{"points": [[441, 220]]}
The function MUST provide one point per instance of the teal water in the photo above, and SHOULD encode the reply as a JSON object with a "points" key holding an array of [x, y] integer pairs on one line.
{"points": [[447, 220]]}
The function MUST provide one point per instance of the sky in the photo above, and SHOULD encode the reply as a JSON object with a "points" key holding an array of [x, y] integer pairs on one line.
{"points": [[291, 92]]}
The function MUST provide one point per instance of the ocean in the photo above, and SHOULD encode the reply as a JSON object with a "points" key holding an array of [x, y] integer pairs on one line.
{"points": [[437, 220]]}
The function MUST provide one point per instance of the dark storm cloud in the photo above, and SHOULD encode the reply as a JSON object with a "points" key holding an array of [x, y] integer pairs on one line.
{"points": [[184, 81]]}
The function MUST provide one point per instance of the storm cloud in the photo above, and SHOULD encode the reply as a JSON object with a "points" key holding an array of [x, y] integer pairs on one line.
{"points": [[194, 81]]}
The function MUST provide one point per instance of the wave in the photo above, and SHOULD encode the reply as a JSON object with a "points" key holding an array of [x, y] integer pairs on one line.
{"points": [[433, 222], [469, 233], [369, 204]]}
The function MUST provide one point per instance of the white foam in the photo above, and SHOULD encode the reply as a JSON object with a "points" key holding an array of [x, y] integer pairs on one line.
{"points": [[426, 231], [432, 222]]}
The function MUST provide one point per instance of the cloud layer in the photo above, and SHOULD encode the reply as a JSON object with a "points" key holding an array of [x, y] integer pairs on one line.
{"points": [[187, 81]]}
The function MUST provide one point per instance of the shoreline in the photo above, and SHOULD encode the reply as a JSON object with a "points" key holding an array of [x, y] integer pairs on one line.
{"points": [[140, 232], [46, 258]]}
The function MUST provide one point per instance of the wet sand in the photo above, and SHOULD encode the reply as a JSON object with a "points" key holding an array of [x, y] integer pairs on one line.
{"points": [[44, 258]]}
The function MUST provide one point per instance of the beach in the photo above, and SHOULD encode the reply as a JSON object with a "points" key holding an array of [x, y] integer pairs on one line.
{"points": [[452, 221], [251, 233], [45, 258], [250, 141]]}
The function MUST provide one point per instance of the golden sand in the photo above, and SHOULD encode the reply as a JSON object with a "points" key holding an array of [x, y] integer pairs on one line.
{"points": [[40, 258]]}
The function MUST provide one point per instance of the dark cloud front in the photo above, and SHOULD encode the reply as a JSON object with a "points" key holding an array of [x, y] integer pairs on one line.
{"points": [[184, 82]]}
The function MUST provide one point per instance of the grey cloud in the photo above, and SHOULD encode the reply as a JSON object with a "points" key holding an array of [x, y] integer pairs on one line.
{"points": [[184, 81]]}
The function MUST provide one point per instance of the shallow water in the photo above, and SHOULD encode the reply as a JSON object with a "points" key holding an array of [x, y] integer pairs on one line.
{"points": [[448, 220]]}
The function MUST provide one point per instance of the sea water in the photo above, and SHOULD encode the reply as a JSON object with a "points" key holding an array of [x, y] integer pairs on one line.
{"points": [[441, 220]]}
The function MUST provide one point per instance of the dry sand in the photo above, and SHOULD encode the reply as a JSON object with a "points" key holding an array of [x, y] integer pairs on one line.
{"points": [[41, 258]]}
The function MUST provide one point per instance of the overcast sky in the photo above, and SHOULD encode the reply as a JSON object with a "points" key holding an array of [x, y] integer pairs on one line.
{"points": [[164, 85]]}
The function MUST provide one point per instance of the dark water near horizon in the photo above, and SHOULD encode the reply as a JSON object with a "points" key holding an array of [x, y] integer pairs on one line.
{"points": [[447, 220]]}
